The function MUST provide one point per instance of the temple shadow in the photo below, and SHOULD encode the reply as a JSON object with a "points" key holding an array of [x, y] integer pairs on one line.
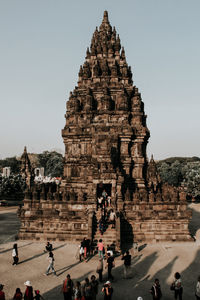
{"points": [[142, 280], [194, 223], [39, 254]]}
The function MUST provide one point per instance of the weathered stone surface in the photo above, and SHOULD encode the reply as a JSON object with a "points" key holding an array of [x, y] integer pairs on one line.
{"points": [[105, 138]]}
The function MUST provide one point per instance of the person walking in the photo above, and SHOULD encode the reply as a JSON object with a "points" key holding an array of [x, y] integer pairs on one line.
{"points": [[84, 244], [110, 265], [178, 289], [18, 294], [2, 294], [197, 292], [100, 268], [67, 288], [107, 290], [94, 284], [51, 264], [28, 295], [48, 247], [127, 264], [15, 254], [100, 248], [156, 290], [81, 252]]}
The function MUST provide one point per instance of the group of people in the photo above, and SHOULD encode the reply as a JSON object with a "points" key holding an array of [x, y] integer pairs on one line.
{"points": [[85, 249], [107, 217], [104, 200], [87, 291], [28, 294]]}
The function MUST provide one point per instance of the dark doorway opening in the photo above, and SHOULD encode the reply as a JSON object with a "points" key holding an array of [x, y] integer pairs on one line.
{"points": [[103, 187]]}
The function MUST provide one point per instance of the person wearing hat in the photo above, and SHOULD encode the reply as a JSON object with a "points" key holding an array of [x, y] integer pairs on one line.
{"points": [[107, 290], [2, 294], [28, 295]]}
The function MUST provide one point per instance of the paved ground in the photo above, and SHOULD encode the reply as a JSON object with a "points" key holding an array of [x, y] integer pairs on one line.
{"points": [[9, 224], [154, 260]]}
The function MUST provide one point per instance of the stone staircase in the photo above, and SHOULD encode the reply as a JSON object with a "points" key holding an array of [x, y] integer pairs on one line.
{"points": [[108, 237]]}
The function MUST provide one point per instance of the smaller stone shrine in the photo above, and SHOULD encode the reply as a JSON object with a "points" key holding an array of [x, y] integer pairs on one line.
{"points": [[26, 168]]}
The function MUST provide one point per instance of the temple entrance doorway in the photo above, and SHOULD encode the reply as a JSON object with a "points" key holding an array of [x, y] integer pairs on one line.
{"points": [[101, 187]]}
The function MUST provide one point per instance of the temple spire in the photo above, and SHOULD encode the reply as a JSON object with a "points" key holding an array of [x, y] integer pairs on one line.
{"points": [[105, 17]]}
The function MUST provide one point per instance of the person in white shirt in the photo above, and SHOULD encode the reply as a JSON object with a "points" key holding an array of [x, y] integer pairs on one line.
{"points": [[15, 255], [51, 264]]}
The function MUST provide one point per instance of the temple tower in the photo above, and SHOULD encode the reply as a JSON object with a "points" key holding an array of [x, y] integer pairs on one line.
{"points": [[105, 135], [105, 139]]}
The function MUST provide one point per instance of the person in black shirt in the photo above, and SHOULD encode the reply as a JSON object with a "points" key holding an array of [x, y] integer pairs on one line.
{"points": [[110, 265], [127, 264], [49, 247], [156, 290], [107, 290]]}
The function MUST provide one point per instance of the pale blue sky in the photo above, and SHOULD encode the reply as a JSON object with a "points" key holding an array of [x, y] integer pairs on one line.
{"points": [[43, 43]]}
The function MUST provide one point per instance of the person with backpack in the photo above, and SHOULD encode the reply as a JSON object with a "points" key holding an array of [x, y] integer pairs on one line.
{"points": [[67, 288], [127, 264]]}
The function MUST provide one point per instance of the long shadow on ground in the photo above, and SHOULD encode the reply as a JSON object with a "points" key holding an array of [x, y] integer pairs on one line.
{"points": [[39, 254]]}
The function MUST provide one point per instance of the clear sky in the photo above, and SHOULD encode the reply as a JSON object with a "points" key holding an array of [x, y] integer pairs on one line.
{"points": [[43, 44]]}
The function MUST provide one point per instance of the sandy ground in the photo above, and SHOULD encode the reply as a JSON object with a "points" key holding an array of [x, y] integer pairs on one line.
{"points": [[160, 260]]}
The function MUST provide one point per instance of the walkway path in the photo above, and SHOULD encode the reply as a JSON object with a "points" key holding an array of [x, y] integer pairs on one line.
{"points": [[154, 260]]}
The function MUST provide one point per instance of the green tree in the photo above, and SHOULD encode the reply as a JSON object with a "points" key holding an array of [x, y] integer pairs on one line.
{"points": [[12, 185], [171, 173], [191, 175], [52, 163], [11, 162]]}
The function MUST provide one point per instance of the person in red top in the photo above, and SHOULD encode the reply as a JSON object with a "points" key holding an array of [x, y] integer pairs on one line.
{"points": [[2, 294], [67, 288], [100, 248], [28, 295], [18, 294]]}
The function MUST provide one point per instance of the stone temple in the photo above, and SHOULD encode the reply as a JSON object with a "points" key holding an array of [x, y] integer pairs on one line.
{"points": [[105, 138]]}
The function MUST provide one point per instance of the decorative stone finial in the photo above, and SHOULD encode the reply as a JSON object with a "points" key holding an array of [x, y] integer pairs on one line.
{"points": [[105, 17]]}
